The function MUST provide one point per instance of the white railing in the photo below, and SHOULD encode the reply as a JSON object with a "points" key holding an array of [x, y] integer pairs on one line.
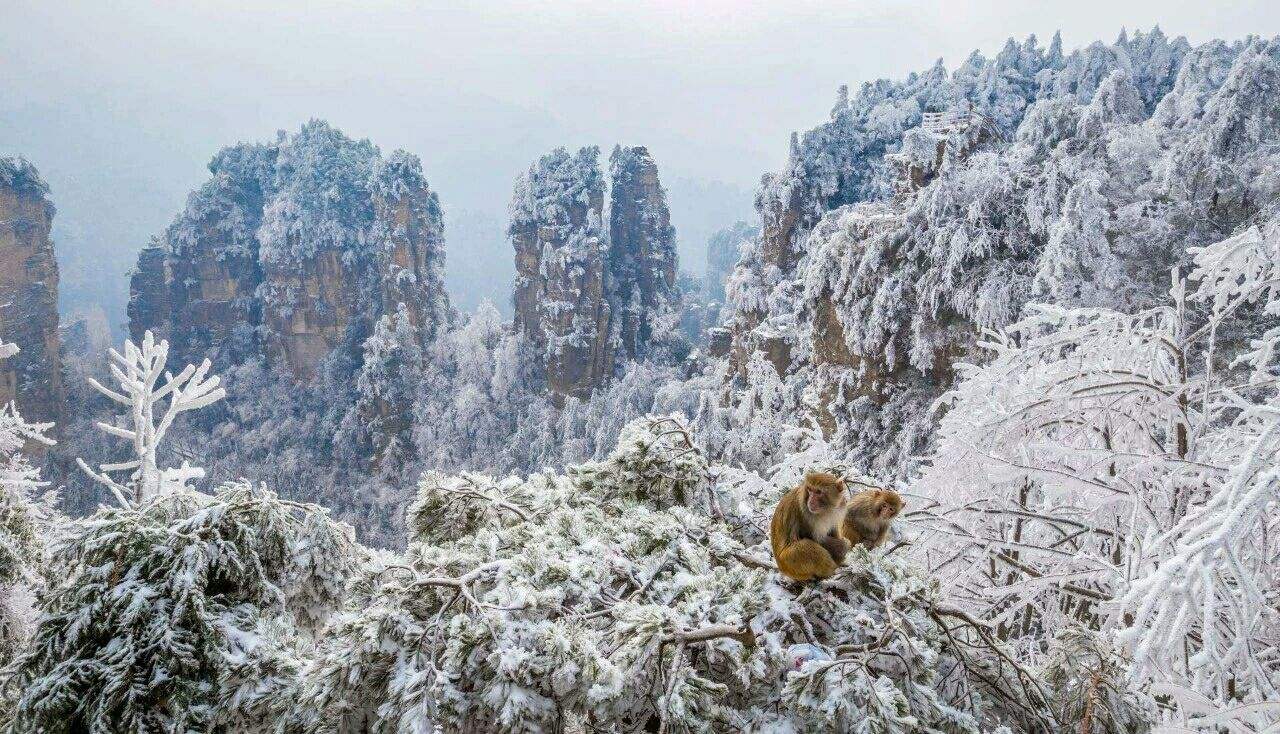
{"points": [[939, 121]]}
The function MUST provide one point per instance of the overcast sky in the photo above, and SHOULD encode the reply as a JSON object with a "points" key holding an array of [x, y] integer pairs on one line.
{"points": [[121, 104]]}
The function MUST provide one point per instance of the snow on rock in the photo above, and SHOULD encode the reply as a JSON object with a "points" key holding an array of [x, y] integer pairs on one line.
{"points": [[560, 248], [594, 281], [292, 250], [931, 209]]}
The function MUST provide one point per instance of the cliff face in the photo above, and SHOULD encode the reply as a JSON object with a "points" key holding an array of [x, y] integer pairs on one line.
{"points": [[560, 252], [29, 294], [588, 294], [641, 267], [293, 250]]}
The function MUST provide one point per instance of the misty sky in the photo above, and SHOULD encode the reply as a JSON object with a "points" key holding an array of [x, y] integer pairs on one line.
{"points": [[121, 104]]}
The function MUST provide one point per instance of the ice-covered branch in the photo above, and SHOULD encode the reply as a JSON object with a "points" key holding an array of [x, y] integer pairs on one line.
{"points": [[1089, 474], [137, 371]]}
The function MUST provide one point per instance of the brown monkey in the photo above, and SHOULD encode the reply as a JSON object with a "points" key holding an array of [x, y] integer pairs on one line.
{"points": [[869, 515], [804, 529]]}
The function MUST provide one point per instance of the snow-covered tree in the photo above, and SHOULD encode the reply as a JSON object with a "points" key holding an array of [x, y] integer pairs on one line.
{"points": [[138, 373], [1205, 605], [375, 428], [761, 425], [27, 523], [1117, 472], [635, 593], [187, 612]]}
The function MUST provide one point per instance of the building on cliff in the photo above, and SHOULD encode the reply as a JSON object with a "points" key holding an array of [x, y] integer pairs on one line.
{"points": [[29, 295]]}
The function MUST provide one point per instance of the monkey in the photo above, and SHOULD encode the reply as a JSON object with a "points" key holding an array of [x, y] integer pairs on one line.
{"points": [[804, 529], [868, 516]]}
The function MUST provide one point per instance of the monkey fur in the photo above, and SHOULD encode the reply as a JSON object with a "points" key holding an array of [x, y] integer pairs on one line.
{"points": [[868, 516], [805, 527]]}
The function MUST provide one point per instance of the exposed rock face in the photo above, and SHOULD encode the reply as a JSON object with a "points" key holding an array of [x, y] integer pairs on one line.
{"points": [[292, 250], [560, 249], [197, 284], [587, 296], [641, 275], [29, 295], [805, 271]]}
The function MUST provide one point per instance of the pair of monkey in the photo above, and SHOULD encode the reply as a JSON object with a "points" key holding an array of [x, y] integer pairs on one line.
{"points": [[816, 524]]}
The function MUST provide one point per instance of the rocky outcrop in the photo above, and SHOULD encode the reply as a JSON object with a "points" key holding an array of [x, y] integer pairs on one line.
{"points": [[293, 250], [930, 210], [808, 269], [641, 273], [588, 294], [29, 295], [560, 247], [197, 284]]}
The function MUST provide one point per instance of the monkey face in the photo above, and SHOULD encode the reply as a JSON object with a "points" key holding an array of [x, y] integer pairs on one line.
{"points": [[890, 504], [822, 497]]}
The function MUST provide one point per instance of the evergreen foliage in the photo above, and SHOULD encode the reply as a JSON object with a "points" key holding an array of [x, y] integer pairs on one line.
{"points": [[168, 616]]}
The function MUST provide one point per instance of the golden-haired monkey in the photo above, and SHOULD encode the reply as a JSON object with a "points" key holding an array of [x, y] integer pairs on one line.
{"points": [[869, 515], [804, 531]]}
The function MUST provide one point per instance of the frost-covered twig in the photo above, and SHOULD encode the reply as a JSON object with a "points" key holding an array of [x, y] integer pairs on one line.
{"points": [[1119, 488], [464, 583], [471, 490]]}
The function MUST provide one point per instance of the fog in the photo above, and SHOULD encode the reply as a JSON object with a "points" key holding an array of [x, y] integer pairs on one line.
{"points": [[122, 104]]}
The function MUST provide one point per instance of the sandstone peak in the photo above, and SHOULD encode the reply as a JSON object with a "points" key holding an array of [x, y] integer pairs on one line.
{"points": [[29, 294], [595, 263], [293, 249]]}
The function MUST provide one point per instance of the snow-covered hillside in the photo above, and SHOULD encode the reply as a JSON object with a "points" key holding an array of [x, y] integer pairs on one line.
{"points": [[1039, 296], [929, 210]]}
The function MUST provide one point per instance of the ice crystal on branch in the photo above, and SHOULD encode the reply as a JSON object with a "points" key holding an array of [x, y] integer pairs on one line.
{"points": [[1117, 472], [27, 526]]}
